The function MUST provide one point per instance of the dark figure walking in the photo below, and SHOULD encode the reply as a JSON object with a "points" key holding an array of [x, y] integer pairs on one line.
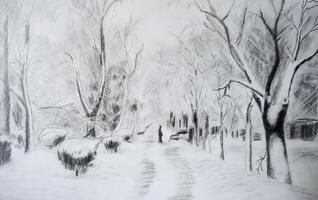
{"points": [[160, 134]]}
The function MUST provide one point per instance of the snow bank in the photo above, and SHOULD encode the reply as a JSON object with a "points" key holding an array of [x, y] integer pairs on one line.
{"points": [[5, 138], [219, 180]]}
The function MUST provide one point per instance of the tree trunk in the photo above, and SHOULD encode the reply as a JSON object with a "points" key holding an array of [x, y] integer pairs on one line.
{"points": [[206, 131], [28, 130], [250, 147], [29, 137], [249, 134], [5, 100], [221, 133], [276, 150], [222, 145], [196, 127], [90, 130]]}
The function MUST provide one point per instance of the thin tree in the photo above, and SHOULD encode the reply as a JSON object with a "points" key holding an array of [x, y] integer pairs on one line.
{"points": [[249, 133], [132, 63]]}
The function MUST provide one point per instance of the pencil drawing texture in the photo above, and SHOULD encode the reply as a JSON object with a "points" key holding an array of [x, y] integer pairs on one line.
{"points": [[158, 99]]}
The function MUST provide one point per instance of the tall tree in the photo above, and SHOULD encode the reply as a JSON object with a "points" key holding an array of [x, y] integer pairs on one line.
{"points": [[97, 10], [5, 106], [275, 94]]}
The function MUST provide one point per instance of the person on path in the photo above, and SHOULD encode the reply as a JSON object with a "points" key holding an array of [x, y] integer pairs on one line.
{"points": [[160, 134]]}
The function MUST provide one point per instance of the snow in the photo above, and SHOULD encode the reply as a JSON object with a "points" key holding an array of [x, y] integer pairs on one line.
{"points": [[143, 169], [49, 135], [4, 138], [78, 147]]}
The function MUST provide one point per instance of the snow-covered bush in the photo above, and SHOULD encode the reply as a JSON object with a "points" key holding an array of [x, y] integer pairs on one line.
{"points": [[111, 146], [52, 137], [5, 150], [125, 134], [77, 154], [112, 143], [58, 140], [74, 163]]}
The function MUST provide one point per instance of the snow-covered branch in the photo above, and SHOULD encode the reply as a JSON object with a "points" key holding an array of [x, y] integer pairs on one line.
{"points": [[17, 96], [79, 87], [246, 85], [297, 67], [136, 60]]}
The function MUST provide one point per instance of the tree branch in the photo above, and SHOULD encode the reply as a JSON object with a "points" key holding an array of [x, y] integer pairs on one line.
{"points": [[136, 60], [18, 97], [81, 95], [79, 87], [260, 93], [297, 67], [273, 32]]}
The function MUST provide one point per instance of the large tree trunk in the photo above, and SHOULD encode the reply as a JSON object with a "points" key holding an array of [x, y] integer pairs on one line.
{"points": [[276, 150], [5, 106]]}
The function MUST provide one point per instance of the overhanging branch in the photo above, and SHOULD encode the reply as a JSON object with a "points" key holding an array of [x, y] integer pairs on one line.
{"points": [[246, 85], [297, 67]]}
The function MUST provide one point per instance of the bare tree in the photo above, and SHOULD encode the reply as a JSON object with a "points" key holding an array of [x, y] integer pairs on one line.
{"points": [[97, 10], [132, 60], [223, 100], [5, 106], [193, 75], [26, 97], [276, 92], [23, 60]]}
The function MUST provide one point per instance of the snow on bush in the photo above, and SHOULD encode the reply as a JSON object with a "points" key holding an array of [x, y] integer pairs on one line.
{"points": [[57, 141], [52, 137], [5, 149], [77, 164], [77, 154], [126, 134], [112, 143]]}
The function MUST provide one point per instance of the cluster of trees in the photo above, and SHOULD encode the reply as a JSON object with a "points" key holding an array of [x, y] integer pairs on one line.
{"points": [[103, 56], [259, 49]]}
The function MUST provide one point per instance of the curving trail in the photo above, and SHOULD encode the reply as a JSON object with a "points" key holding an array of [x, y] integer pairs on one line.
{"points": [[147, 177], [184, 174]]}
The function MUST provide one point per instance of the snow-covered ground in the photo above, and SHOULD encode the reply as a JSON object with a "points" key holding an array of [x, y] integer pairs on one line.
{"points": [[142, 169], [303, 158]]}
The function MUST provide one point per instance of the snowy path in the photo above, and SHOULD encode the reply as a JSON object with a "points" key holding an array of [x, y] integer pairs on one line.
{"points": [[184, 173], [148, 173], [141, 170], [148, 176]]}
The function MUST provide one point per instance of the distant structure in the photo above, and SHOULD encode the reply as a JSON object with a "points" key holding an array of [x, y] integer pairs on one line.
{"points": [[305, 128]]}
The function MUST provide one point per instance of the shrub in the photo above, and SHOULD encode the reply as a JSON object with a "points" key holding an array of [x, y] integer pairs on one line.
{"points": [[111, 145], [5, 150], [76, 163], [58, 140]]}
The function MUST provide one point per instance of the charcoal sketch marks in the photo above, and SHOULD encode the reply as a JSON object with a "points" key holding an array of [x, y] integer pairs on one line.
{"points": [[158, 99]]}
